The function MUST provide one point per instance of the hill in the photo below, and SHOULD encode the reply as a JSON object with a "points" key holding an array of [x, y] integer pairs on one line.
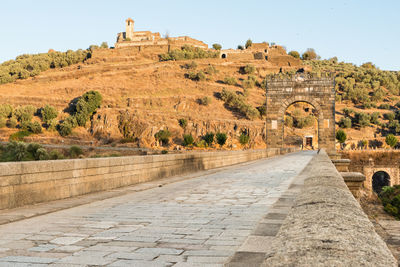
{"points": [[143, 95]]}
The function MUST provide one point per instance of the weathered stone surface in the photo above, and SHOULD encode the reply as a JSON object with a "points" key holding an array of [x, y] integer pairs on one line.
{"points": [[200, 221], [23, 183], [327, 227], [320, 93]]}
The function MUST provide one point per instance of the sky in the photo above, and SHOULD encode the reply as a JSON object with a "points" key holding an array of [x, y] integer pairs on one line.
{"points": [[355, 31]]}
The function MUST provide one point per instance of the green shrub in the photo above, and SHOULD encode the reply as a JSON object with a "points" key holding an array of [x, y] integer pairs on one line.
{"points": [[25, 113], [363, 119], [240, 47], [230, 81], [37, 151], [391, 210], [163, 136], [389, 116], [378, 95], [348, 111], [341, 136], [19, 136], [244, 139], [394, 125], [310, 54], [391, 140], [188, 140], [15, 151], [235, 101], [375, 117], [188, 52], [289, 121], [6, 110], [54, 155], [104, 45], [3, 122], [52, 125], [217, 46], [209, 138], [75, 151], [221, 138], [164, 151], [294, 54], [65, 128], [86, 105], [262, 110], [33, 127], [249, 42], [48, 113], [197, 76], [248, 69], [205, 101], [345, 123], [201, 144], [384, 106], [182, 123]]}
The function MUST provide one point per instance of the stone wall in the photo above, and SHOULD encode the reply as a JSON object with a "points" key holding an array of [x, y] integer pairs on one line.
{"points": [[326, 226], [23, 183], [368, 162]]}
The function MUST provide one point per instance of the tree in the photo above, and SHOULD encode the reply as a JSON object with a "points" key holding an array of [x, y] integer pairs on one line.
{"points": [[182, 123], [310, 54], [240, 47], [209, 138], [163, 136], [244, 139], [217, 46], [188, 140], [391, 140], [345, 123], [341, 137], [249, 42], [294, 54], [221, 138], [48, 113], [104, 45]]}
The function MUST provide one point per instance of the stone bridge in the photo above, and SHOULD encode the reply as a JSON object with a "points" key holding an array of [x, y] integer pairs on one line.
{"points": [[268, 209]]}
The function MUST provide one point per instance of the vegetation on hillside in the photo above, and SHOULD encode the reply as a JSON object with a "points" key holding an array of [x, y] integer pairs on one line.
{"points": [[390, 197], [364, 87], [188, 52], [25, 66]]}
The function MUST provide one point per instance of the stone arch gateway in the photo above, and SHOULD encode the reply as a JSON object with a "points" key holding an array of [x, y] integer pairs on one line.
{"points": [[319, 92]]}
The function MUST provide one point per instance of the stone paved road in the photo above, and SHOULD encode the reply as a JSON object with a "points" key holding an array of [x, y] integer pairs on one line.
{"points": [[195, 222]]}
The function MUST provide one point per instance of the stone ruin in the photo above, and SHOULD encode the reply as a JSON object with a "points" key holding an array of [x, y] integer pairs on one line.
{"points": [[132, 38]]}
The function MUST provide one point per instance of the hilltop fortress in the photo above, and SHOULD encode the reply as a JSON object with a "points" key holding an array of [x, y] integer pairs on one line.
{"points": [[147, 41]]}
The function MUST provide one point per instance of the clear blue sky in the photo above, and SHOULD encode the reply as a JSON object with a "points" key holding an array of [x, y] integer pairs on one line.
{"points": [[355, 31]]}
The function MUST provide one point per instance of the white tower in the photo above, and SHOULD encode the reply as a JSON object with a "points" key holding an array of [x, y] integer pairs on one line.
{"points": [[129, 28]]}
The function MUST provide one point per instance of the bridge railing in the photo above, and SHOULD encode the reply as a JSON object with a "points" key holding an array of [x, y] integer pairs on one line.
{"points": [[24, 183], [326, 226]]}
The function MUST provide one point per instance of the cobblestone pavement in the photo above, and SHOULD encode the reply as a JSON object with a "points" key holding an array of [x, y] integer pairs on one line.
{"points": [[196, 222]]}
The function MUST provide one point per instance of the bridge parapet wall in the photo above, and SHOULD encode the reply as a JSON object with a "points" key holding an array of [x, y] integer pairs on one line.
{"points": [[326, 226], [23, 183]]}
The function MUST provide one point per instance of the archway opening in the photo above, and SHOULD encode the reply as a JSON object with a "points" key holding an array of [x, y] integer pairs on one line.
{"points": [[301, 126], [379, 180], [223, 56]]}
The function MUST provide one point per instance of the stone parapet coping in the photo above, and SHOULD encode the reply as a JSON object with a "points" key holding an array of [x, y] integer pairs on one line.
{"points": [[326, 226]]}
